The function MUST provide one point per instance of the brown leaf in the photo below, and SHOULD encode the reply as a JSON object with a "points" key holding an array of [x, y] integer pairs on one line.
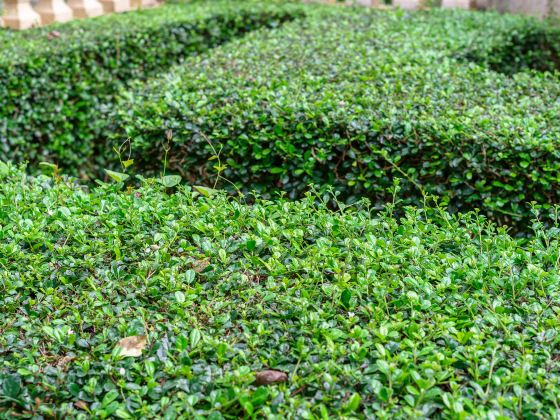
{"points": [[270, 376], [63, 361], [53, 34], [132, 346], [200, 266], [81, 405]]}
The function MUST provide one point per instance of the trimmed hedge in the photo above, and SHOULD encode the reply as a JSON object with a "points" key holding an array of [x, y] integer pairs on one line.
{"points": [[354, 98], [531, 46], [58, 83], [430, 315]]}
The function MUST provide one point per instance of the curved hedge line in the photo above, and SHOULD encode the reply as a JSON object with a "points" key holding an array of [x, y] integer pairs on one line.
{"points": [[355, 98], [430, 315], [58, 83]]}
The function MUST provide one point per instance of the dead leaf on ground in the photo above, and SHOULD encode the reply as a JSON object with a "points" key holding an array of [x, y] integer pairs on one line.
{"points": [[200, 266], [132, 346], [81, 405], [53, 34], [63, 361], [270, 376]]}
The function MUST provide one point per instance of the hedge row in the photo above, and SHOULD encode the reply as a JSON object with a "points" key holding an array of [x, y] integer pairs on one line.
{"points": [[354, 98], [426, 316], [58, 83]]}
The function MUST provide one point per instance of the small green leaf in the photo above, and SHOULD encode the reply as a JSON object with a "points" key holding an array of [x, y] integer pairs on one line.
{"points": [[111, 408], [4, 170], [169, 181], [259, 396], [121, 413], [11, 386], [385, 394], [180, 296], [128, 163], [250, 244], [190, 275], [109, 397], [383, 366], [345, 298], [181, 343], [353, 403], [205, 191], [195, 337], [150, 368], [48, 167], [117, 176]]}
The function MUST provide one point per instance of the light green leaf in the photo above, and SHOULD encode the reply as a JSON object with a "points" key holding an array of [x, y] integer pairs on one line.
{"points": [[195, 337], [11, 386], [110, 397], [353, 403], [128, 163], [121, 413], [169, 181], [180, 296], [4, 170], [117, 176], [205, 191]]}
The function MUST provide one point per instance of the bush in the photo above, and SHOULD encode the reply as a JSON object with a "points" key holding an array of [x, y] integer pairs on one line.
{"points": [[353, 99], [531, 46], [430, 315], [59, 82]]}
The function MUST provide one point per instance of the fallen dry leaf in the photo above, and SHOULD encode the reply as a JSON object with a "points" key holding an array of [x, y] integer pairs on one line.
{"points": [[270, 376], [62, 362], [199, 266], [132, 346], [81, 405], [53, 34]]}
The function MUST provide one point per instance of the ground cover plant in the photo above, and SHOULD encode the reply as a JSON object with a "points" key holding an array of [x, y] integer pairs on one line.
{"points": [[451, 102], [58, 83], [150, 301]]}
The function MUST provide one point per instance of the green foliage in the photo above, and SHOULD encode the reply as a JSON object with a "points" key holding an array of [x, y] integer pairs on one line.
{"points": [[58, 83], [145, 302], [141, 298], [530, 45], [355, 98]]}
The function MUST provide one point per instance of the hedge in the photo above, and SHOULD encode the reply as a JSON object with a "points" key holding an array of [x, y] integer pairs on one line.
{"points": [[58, 83], [355, 313], [354, 98]]}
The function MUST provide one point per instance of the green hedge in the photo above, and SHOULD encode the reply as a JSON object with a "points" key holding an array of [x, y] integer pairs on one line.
{"points": [[354, 98], [530, 45], [58, 83], [429, 316]]}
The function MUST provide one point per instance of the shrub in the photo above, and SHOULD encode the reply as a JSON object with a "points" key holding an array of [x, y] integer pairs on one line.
{"points": [[531, 46], [430, 315], [355, 98], [59, 82]]}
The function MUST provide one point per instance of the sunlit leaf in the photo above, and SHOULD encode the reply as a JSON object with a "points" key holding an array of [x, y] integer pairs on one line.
{"points": [[169, 181], [117, 176]]}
